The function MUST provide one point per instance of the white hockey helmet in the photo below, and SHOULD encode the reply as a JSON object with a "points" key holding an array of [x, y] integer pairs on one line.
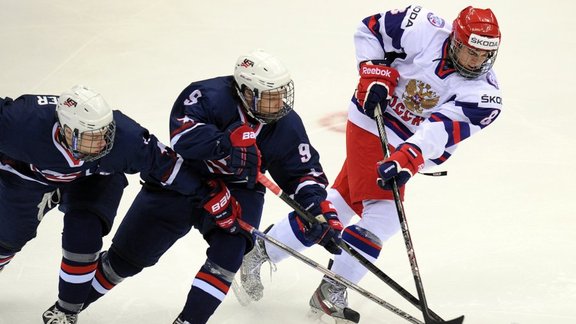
{"points": [[271, 94], [89, 119]]}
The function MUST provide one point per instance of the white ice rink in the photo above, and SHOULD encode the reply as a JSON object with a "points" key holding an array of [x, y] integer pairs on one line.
{"points": [[495, 240]]}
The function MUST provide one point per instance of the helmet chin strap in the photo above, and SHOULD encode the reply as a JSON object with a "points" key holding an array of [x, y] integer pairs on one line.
{"points": [[75, 137]]}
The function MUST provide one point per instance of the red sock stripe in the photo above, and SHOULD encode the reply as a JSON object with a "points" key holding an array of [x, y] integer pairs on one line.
{"points": [[214, 281], [103, 281], [2, 260], [78, 270], [5, 261], [363, 239]]}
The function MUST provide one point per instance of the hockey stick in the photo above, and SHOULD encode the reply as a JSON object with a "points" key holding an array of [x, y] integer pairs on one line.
{"points": [[426, 312], [249, 228], [365, 262]]}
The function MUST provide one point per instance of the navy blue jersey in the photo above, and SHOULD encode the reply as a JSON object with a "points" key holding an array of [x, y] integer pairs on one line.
{"points": [[31, 148], [206, 109]]}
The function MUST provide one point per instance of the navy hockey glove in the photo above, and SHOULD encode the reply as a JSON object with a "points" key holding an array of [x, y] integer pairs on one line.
{"points": [[401, 165], [325, 232], [244, 156], [376, 86], [223, 207]]}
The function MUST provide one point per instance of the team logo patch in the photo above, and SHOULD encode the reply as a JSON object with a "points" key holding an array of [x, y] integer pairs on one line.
{"points": [[70, 103], [435, 20], [492, 80], [246, 63], [419, 96]]}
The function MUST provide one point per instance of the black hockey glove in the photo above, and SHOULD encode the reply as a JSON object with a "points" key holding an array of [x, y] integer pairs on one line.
{"points": [[325, 232], [244, 159]]}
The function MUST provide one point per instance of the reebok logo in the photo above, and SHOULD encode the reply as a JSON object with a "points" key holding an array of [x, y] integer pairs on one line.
{"points": [[376, 71]]}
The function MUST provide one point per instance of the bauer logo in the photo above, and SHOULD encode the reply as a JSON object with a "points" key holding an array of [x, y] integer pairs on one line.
{"points": [[248, 135]]}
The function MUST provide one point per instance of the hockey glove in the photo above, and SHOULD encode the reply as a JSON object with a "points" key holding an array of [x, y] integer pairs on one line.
{"points": [[223, 207], [401, 165], [244, 156], [376, 86], [325, 232]]}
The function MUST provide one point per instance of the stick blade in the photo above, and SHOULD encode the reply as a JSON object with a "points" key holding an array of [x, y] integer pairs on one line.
{"points": [[458, 320]]}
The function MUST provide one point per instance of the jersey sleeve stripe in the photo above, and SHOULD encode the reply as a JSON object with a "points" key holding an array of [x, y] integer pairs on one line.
{"points": [[373, 24]]}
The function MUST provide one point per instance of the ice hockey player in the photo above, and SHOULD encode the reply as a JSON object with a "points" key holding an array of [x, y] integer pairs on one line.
{"points": [[230, 128], [72, 151], [435, 83]]}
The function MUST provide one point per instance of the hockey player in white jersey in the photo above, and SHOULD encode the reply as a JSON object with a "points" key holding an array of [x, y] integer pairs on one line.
{"points": [[435, 84]]}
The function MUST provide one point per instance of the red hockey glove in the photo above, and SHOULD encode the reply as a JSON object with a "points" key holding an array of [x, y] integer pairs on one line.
{"points": [[244, 154], [325, 232], [401, 165], [223, 207], [376, 86]]}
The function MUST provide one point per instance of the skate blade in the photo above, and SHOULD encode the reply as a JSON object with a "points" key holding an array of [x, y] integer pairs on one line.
{"points": [[241, 294], [316, 314]]}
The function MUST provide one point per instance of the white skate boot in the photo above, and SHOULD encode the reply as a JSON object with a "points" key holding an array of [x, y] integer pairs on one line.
{"points": [[331, 298], [55, 316]]}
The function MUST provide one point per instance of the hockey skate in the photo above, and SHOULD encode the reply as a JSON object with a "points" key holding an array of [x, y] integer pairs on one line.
{"points": [[180, 321], [250, 270], [55, 316], [331, 298]]}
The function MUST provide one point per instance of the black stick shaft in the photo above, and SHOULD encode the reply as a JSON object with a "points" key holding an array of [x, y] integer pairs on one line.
{"points": [[426, 312], [330, 273], [355, 254]]}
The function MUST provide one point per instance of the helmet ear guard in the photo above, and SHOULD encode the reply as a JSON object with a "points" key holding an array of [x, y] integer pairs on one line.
{"points": [[476, 29], [86, 122], [264, 85]]}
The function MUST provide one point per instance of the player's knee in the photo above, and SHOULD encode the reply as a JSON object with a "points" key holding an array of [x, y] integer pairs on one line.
{"points": [[345, 212], [82, 232], [381, 218], [363, 240], [116, 268], [227, 250]]}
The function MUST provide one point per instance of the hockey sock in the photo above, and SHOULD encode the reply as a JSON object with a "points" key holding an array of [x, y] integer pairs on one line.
{"points": [[209, 288], [363, 241], [4, 260], [81, 243], [107, 277], [286, 233], [213, 281]]}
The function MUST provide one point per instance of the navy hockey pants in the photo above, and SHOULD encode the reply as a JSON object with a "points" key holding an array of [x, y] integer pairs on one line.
{"points": [[21, 209], [157, 219]]}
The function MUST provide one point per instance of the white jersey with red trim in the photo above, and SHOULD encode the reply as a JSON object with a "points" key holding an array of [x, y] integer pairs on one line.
{"points": [[433, 106]]}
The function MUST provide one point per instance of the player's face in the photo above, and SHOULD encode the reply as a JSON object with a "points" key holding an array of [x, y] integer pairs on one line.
{"points": [[90, 143], [471, 58], [270, 102]]}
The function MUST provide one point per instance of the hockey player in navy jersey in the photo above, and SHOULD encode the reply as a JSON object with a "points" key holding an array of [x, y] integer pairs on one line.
{"points": [[72, 151], [435, 84], [230, 128]]}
